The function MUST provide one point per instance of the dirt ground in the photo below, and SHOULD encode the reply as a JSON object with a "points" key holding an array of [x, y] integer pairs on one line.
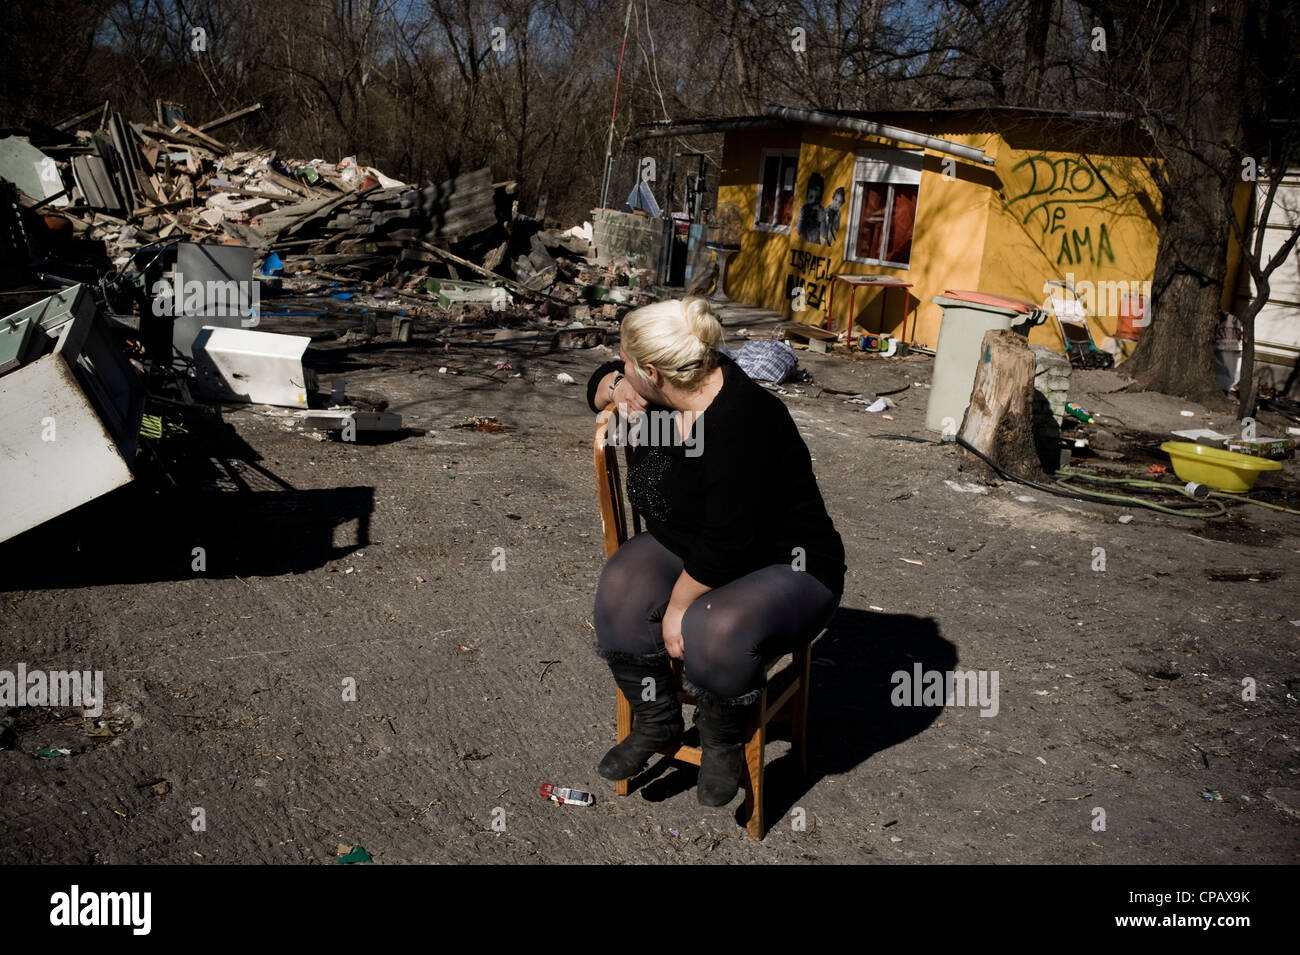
{"points": [[1120, 699]]}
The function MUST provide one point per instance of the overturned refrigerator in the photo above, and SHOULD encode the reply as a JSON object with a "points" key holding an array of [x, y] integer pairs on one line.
{"points": [[70, 410]]}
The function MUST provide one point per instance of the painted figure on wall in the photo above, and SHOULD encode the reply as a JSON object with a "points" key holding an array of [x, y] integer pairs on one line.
{"points": [[810, 216], [817, 223], [831, 217]]}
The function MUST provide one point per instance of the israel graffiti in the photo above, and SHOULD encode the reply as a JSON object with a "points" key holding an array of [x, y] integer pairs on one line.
{"points": [[811, 273], [1056, 186]]}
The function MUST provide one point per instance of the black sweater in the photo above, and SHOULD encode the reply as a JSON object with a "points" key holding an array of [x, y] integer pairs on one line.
{"points": [[741, 495]]}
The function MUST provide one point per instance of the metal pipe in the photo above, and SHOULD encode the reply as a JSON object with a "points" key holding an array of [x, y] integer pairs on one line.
{"points": [[702, 128], [868, 128]]}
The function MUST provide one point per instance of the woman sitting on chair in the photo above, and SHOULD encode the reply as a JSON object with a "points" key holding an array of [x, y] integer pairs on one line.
{"points": [[740, 562]]}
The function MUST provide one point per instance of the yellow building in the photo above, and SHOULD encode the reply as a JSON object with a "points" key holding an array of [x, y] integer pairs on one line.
{"points": [[999, 201]]}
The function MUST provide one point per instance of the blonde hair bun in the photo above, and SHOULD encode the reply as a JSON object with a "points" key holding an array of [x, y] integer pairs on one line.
{"points": [[680, 337], [701, 321]]}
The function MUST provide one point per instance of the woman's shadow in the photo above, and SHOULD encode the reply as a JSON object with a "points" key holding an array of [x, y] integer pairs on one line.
{"points": [[851, 710]]}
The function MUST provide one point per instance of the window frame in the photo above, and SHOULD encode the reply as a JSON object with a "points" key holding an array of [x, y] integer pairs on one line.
{"points": [[869, 166], [783, 153]]}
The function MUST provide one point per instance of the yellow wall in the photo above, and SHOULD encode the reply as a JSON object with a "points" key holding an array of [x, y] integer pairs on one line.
{"points": [[752, 274], [1063, 215], [1036, 215]]}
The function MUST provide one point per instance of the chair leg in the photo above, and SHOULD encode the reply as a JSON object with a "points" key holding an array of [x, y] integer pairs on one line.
{"points": [[753, 808], [624, 727], [799, 707]]}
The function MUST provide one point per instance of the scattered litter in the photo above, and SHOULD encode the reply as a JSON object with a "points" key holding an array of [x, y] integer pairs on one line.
{"points": [[1126, 519], [1075, 411], [51, 752], [675, 833], [565, 378], [1275, 449], [907, 560], [565, 796], [348, 420], [1157, 469], [1196, 434], [357, 854], [159, 787], [966, 488], [1041, 760], [485, 423], [1212, 795], [1025, 498], [1188, 414], [1248, 576], [882, 610], [877, 406]]}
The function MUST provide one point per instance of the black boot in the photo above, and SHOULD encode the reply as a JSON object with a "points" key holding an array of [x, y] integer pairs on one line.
{"points": [[656, 722], [724, 730]]}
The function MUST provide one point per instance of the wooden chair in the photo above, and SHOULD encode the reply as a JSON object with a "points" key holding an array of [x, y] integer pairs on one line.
{"points": [[793, 699]]}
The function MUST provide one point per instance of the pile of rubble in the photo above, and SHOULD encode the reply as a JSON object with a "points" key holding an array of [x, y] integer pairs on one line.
{"points": [[136, 260]]}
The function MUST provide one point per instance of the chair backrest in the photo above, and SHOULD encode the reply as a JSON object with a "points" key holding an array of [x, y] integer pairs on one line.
{"points": [[609, 487]]}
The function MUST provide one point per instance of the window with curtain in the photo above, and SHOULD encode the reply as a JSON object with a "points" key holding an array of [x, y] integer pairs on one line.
{"points": [[776, 189], [886, 184]]}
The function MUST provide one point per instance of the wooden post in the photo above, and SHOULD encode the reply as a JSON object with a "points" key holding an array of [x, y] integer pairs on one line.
{"points": [[1000, 418]]}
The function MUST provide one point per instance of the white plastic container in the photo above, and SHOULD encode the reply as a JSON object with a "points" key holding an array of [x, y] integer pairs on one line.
{"points": [[239, 364], [966, 317]]}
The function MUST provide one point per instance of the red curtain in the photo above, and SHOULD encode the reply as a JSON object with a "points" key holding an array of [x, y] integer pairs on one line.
{"points": [[871, 220], [900, 226]]}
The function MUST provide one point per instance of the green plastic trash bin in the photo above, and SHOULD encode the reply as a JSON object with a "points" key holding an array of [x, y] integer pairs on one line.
{"points": [[966, 317]]}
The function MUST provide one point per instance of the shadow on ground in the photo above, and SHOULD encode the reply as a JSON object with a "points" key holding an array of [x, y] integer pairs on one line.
{"points": [[203, 505], [851, 716]]}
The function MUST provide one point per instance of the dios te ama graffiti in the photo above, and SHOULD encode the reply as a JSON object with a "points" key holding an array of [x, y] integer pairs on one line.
{"points": [[1054, 186]]}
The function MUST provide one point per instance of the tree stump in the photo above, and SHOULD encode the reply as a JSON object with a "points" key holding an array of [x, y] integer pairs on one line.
{"points": [[1000, 418]]}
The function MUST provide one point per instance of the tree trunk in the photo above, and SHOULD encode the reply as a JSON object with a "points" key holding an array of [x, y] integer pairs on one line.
{"points": [[1175, 354], [1038, 23], [1000, 418], [1247, 387]]}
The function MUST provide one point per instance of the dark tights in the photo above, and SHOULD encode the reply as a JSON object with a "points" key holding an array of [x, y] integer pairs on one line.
{"points": [[728, 633]]}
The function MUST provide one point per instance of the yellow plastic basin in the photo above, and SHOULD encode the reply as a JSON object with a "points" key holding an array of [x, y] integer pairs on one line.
{"points": [[1222, 470]]}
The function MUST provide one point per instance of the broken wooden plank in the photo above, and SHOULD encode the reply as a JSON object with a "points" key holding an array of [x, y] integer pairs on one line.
{"points": [[800, 330], [156, 207], [291, 184], [466, 263], [80, 117], [229, 117], [204, 138]]}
